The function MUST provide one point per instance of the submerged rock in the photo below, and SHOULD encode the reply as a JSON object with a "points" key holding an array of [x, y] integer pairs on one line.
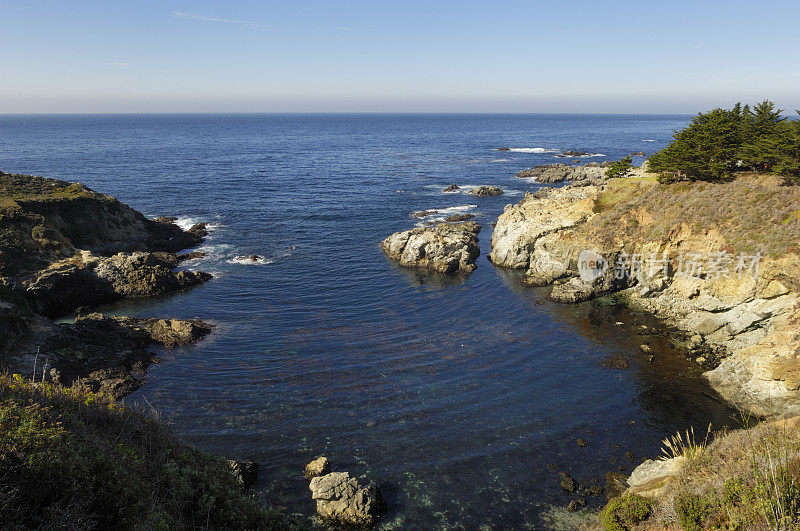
{"points": [[446, 248], [567, 483], [484, 191], [340, 498]]}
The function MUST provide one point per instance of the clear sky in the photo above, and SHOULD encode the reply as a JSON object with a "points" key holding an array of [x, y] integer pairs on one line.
{"points": [[406, 55]]}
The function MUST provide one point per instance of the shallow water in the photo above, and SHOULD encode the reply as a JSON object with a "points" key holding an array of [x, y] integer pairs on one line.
{"points": [[454, 394]]}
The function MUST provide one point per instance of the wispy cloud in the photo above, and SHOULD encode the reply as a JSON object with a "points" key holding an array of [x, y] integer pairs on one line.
{"points": [[244, 23]]}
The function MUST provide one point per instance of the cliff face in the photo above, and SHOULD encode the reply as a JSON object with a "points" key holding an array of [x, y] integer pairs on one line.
{"points": [[690, 255], [64, 246], [43, 220]]}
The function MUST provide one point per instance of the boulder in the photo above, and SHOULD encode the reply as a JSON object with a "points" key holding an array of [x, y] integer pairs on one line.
{"points": [[650, 478], [341, 499], [485, 191], [317, 467], [446, 248], [452, 188]]}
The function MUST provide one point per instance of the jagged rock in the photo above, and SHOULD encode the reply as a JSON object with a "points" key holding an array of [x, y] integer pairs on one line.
{"points": [[594, 172], [455, 218], [638, 154], [46, 220], [647, 349], [317, 467], [615, 484], [452, 188], [340, 498], [246, 472], [484, 191], [190, 256], [567, 483], [88, 280], [446, 248]]}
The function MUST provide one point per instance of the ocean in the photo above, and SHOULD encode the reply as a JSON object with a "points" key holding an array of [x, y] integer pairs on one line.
{"points": [[462, 398]]}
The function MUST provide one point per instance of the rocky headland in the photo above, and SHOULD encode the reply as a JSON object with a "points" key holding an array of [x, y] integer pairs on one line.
{"points": [[717, 261], [448, 248], [64, 247], [589, 173]]}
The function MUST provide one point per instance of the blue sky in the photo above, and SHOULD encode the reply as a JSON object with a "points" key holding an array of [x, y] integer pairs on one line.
{"points": [[341, 56]]}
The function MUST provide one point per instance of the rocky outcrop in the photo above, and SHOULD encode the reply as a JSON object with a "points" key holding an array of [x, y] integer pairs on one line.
{"points": [[741, 327], [64, 247], [594, 172], [45, 220], [486, 191], [89, 280], [452, 188], [340, 498], [456, 218], [446, 248], [317, 467], [97, 352]]}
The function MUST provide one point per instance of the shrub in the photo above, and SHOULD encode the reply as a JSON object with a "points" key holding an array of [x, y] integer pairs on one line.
{"points": [[691, 510], [620, 168], [625, 512], [68, 456]]}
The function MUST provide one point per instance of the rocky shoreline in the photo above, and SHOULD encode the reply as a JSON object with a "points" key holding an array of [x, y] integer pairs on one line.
{"points": [[739, 326], [65, 248]]}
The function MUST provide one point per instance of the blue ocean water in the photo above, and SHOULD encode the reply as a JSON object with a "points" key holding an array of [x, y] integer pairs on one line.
{"points": [[453, 394]]}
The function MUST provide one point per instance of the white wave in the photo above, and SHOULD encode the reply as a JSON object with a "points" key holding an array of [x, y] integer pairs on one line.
{"points": [[186, 223], [439, 214], [253, 259], [648, 140], [533, 150]]}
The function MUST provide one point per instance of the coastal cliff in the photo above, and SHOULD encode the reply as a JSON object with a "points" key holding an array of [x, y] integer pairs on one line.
{"points": [[717, 261], [64, 247]]}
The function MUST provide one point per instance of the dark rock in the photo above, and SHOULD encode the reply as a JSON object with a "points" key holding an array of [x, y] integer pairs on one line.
{"points": [[246, 472], [424, 213], [582, 443], [485, 191], [574, 505], [615, 484], [190, 256], [452, 188], [455, 218], [638, 154], [567, 483], [504, 149]]}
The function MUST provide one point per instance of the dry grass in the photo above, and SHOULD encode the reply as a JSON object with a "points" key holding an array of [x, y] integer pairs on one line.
{"points": [[753, 213], [746, 479]]}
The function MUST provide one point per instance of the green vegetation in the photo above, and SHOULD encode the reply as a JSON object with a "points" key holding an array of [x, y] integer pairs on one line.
{"points": [[625, 512], [620, 168], [746, 479], [81, 460], [721, 142]]}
